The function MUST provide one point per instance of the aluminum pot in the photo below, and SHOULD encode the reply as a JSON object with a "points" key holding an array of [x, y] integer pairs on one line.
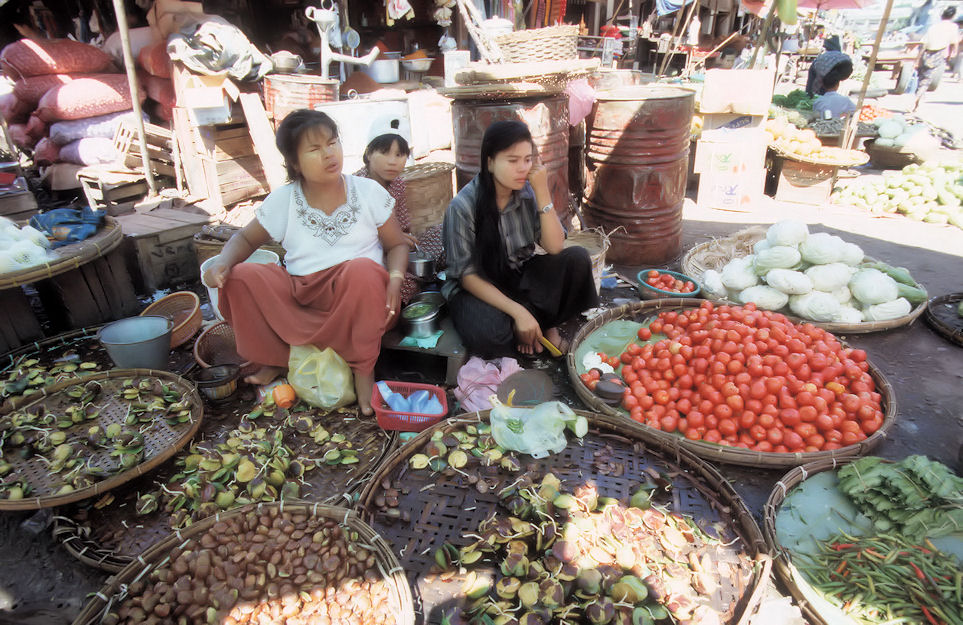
{"points": [[420, 266], [421, 319]]}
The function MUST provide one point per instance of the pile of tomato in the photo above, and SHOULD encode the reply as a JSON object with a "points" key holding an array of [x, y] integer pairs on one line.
{"points": [[750, 378], [668, 282]]}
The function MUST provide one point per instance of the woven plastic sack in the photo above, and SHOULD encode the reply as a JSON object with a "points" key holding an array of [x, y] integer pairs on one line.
{"points": [[104, 126], [155, 60], [33, 88], [51, 56], [537, 431], [160, 90], [36, 127], [13, 109], [320, 377], [140, 38], [89, 151], [87, 97], [46, 151], [19, 136]]}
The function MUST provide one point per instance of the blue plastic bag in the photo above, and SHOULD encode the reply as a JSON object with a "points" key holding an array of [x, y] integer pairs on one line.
{"points": [[68, 225]]}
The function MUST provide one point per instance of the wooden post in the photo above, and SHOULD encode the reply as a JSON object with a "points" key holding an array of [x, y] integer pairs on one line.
{"points": [[134, 90], [671, 52], [761, 41], [853, 123]]}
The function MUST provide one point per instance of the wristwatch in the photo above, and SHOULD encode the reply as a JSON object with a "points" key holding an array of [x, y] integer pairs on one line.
{"points": [[548, 207]]}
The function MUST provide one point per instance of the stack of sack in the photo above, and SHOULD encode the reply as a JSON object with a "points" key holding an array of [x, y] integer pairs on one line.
{"points": [[154, 71], [64, 104]]}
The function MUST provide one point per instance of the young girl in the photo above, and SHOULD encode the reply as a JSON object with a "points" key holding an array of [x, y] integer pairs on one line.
{"points": [[501, 294], [336, 291], [384, 160]]}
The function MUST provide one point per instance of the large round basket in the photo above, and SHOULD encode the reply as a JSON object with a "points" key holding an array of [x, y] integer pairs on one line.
{"points": [[69, 256], [942, 315], [710, 451], [161, 440], [886, 157], [209, 242], [109, 536], [716, 253], [434, 509], [216, 345], [428, 191], [184, 309], [539, 44], [596, 242], [835, 157], [119, 586]]}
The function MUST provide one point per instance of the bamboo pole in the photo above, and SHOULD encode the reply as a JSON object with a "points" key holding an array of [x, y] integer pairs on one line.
{"points": [[671, 52], [761, 41], [121, 15], [853, 123]]}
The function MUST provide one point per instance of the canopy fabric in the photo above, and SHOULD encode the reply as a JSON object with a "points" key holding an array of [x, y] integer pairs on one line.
{"points": [[664, 7], [761, 7]]}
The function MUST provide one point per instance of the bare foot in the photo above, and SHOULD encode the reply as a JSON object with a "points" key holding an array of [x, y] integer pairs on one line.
{"points": [[556, 339], [363, 384], [265, 375]]}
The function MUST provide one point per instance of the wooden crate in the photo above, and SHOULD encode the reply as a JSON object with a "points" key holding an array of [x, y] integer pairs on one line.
{"points": [[18, 205], [18, 323], [115, 192], [160, 148], [804, 183], [96, 292], [161, 244]]}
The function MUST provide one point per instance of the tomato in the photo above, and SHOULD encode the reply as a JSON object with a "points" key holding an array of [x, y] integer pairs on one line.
{"points": [[728, 427], [757, 432], [695, 419], [747, 419], [792, 440], [669, 423], [790, 417], [824, 423], [644, 334], [775, 436]]}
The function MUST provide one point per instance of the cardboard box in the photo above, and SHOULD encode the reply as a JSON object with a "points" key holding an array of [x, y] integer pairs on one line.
{"points": [[731, 167], [743, 91], [731, 121], [805, 183], [208, 99]]}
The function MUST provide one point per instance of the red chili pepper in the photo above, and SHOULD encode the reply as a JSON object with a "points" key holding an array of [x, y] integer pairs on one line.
{"points": [[919, 573], [875, 553], [841, 546], [841, 567], [929, 617], [923, 549]]}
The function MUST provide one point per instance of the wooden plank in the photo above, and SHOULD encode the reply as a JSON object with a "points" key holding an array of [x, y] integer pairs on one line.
{"points": [[15, 203], [264, 140], [121, 287], [90, 276], [193, 166], [178, 215], [18, 323], [77, 306]]}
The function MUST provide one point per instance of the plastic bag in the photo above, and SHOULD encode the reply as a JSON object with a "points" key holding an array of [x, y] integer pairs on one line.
{"points": [[320, 377], [537, 431]]}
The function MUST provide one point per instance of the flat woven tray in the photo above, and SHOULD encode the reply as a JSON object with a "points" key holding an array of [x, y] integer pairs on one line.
{"points": [[709, 451], [116, 588], [109, 537], [942, 316], [613, 456], [842, 157], [716, 253], [69, 256], [161, 440]]}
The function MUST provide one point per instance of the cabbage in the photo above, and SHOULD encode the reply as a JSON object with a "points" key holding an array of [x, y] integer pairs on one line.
{"points": [[775, 257], [852, 254], [871, 286], [36, 237], [847, 314], [830, 277], [789, 282], [893, 309], [815, 305], [822, 248], [761, 244], [787, 232], [890, 129], [843, 295], [712, 283], [737, 274], [26, 254], [764, 297], [7, 263]]}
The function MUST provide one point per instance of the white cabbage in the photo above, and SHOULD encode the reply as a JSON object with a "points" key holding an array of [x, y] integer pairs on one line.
{"points": [[775, 257], [7, 263], [815, 305], [761, 244], [764, 297], [788, 232], [789, 282], [822, 248], [871, 286], [738, 275], [36, 237], [893, 309], [843, 295], [830, 277], [852, 254], [712, 283], [848, 314], [26, 254]]}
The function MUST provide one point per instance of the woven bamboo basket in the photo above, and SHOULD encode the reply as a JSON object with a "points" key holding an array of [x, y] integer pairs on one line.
{"points": [[539, 44], [109, 537], [207, 246], [597, 243], [161, 441], [184, 309], [782, 562], [890, 157], [69, 257], [428, 191], [446, 508], [216, 345], [710, 451], [119, 585], [839, 157], [716, 253], [941, 315]]}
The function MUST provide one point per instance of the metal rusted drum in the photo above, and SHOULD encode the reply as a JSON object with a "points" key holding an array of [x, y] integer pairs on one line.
{"points": [[637, 159], [284, 93], [605, 79], [547, 119]]}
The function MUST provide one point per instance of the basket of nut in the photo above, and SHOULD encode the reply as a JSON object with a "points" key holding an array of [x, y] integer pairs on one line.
{"points": [[269, 562]]}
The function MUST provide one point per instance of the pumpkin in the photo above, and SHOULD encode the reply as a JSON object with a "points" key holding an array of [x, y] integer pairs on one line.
{"points": [[284, 395]]}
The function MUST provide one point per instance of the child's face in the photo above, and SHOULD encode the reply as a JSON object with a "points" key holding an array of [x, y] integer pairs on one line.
{"points": [[320, 155], [386, 166]]}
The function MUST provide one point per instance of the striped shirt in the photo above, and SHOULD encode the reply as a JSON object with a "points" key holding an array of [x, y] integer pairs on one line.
{"points": [[518, 222]]}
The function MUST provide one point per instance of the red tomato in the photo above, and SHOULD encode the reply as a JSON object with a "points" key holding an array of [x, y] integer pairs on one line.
{"points": [[727, 427]]}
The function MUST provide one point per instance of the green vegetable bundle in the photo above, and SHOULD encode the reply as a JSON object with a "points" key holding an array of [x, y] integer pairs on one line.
{"points": [[917, 497]]}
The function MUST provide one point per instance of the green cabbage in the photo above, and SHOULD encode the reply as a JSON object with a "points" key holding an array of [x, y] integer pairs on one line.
{"points": [[848, 314], [899, 307], [852, 253], [815, 305], [764, 297], [788, 232], [871, 286], [712, 283], [830, 277], [822, 248], [789, 282], [737, 274]]}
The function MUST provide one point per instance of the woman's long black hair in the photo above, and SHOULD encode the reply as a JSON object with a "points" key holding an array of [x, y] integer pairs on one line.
{"points": [[491, 255]]}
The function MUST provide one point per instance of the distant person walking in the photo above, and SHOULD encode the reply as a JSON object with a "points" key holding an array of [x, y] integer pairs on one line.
{"points": [[941, 42]]}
